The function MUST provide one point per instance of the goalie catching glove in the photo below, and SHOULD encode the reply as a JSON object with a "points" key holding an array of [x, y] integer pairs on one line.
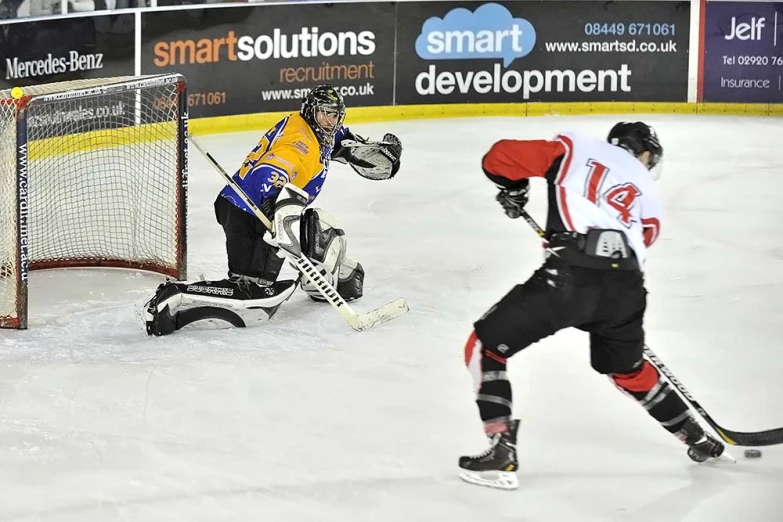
{"points": [[375, 160]]}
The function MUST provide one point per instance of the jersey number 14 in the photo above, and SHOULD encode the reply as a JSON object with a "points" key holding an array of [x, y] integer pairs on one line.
{"points": [[620, 197]]}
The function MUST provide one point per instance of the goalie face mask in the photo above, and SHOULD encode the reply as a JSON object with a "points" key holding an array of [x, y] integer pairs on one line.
{"points": [[324, 110], [329, 120]]}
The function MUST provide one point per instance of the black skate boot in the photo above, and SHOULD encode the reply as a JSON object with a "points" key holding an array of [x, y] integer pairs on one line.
{"points": [[496, 467], [158, 316], [701, 445]]}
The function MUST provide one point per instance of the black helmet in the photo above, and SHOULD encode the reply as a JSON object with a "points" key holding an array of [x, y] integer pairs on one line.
{"points": [[326, 99], [637, 137]]}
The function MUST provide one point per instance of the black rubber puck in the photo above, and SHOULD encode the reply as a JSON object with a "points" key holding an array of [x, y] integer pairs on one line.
{"points": [[752, 454]]}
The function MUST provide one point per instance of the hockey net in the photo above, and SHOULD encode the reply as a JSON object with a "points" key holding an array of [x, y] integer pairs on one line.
{"points": [[92, 173]]}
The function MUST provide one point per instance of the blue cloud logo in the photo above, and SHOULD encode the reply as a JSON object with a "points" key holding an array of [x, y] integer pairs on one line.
{"points": [[489, 32]]}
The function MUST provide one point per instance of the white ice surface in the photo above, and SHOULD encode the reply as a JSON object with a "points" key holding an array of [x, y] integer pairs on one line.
{"points": [[303, 419]]}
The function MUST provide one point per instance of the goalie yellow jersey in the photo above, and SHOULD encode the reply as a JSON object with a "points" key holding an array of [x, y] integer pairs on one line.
{"points": [[288, 152]]}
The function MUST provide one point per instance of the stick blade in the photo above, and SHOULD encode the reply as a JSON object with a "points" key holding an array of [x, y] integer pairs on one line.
{"points": [[757, 438], [381, 315]]}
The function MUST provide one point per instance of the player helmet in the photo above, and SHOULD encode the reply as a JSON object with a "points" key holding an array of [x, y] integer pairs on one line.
{"points": [[324, 110], [638, 137]]}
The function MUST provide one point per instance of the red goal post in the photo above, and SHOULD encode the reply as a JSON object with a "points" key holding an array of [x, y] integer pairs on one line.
{"points": [[93, 173]]}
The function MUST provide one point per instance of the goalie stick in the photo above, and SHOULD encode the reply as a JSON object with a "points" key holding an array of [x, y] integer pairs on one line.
{"points": [[734, 438], [358, 321]]}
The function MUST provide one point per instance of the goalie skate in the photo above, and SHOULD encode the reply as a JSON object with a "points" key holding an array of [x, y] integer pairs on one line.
{"points": [[157, 315]]}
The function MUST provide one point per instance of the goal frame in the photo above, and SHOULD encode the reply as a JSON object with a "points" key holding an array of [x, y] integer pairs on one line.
{"points": [[23, 105]]}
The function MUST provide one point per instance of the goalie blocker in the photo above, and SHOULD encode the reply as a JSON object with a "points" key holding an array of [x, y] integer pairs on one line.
{"points": [[240, 300]]}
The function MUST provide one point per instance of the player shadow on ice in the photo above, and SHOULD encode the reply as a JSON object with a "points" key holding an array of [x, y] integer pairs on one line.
{"points": [[704, 484]]}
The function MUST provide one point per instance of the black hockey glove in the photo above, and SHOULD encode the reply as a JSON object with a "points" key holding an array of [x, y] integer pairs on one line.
{"points": [[513, 200]]}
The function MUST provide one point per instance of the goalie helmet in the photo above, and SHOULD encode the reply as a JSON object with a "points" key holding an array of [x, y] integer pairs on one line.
{"points": [[324, 110], [638, 138]]}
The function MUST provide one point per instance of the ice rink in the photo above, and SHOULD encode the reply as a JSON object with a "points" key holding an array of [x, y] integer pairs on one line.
{"points": [[303, 419]]}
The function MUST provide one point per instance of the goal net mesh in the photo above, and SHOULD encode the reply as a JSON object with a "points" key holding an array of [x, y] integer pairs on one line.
{"points": [[104, 179]]}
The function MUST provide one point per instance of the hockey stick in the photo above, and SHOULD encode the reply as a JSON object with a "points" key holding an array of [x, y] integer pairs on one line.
{"points": [[735, 438], [357, 321], [532, 223]]}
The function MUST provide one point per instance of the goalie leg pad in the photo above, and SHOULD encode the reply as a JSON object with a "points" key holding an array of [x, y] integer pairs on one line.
{"points": [[324, 243], [326, 246], [351, 281], [230, 302]]}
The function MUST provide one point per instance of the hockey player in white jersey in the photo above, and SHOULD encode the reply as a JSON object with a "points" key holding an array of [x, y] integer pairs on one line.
{"points": [[604, 213]]}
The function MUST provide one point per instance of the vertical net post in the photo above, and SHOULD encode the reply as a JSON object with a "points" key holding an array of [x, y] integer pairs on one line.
{"points": [[182, 163], [9, 209], [22, 215]]}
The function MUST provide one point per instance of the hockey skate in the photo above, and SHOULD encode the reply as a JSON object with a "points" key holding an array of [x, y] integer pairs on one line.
{"points": [[701, 445], [496, 467], [158, 316]]}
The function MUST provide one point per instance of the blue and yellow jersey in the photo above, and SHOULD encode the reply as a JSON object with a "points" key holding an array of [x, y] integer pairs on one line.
{"points": [[288, 152]]}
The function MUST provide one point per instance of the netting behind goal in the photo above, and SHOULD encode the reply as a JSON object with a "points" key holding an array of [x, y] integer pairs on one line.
{"points": [[92, 173]]}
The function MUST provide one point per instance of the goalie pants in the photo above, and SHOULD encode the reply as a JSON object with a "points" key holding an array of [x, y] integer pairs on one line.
{"points": [[248, 254], [608, 304]]}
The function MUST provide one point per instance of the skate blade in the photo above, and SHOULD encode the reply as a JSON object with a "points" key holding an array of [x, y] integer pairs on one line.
{"points": [[726, 456], [491, 479]]}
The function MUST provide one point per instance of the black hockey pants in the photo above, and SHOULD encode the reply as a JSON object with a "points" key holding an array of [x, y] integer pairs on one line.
{"points": [[608, 304]]}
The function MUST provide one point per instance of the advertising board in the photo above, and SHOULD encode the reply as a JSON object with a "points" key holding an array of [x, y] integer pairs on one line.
{"points": [[743, 52], [66, 49], [265, 58], [484, 52]]}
